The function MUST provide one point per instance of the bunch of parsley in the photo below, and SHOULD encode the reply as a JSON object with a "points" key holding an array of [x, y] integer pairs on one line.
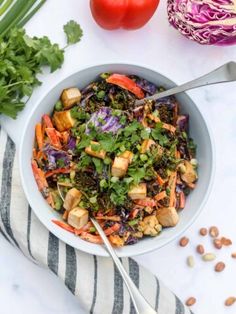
{"points": [[22, 58]]}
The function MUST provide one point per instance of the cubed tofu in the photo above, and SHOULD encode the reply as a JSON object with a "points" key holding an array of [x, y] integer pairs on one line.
{"points": [[63, 120], [189, 175], [70, 97], [119, 167], [150, 226], [78, 217], [146, 144], [99, 154], [167, 216], [72, 199], [128, 155], [138, 192]]}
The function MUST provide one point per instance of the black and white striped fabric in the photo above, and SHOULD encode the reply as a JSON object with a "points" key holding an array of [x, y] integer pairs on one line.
{"points": [[83, 274]]}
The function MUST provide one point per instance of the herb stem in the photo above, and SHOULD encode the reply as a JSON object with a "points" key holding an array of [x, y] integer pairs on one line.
{"points": [[5, 6], [14, 84], [30, 14], [15, 15]]}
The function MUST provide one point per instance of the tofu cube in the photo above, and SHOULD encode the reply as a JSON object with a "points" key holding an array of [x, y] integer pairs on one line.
{"points": [[146, 144], [70, 97], [99, 154], [78, 217], [138, 192], [168, 216], [128, 155], [119, 167], [63, 120], [72, 199]]}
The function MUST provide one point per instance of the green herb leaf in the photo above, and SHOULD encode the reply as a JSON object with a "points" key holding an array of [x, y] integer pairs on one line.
{"points": [[73, 32], [98, 164]]}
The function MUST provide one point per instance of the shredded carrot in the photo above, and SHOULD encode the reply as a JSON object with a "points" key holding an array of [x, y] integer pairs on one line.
{"points": [[56, 171], [148, 201], [112, 229], [181, 200], [134, 212], [65, 137], [91, 238], [39, 135], [65, 215], [35, 153], [84, 228], [166, 126], [160, 196], [53, 137], [169, 127], [111, 218], [47, 121], [64, 225], [160, 180], [40, 155], [39, 176], [177, 154], [172, 186]]}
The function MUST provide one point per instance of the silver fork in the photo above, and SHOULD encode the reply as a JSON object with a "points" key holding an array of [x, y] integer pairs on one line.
{"points": [[140, 303], [223, 74]]}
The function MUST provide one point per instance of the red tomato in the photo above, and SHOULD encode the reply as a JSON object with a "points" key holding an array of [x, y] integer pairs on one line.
{"points": [[128, 14]]}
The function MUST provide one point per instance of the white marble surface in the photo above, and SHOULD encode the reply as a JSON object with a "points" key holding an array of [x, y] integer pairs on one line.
{"points": [[26, 288]]}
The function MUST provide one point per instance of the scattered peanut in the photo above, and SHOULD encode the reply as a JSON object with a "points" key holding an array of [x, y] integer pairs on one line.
{"points": [[190, 261], [220, 267], [214, 232], [203, 231], [200, 249], [233, 255], [208, 257], [183, 241], [230, 301], [226, 241], [217, 243], [191, 301]]}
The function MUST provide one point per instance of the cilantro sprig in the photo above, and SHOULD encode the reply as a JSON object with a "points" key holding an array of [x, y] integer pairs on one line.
{"points": [[21, 60]]}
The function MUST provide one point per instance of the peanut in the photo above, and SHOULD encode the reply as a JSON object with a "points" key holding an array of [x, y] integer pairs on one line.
{"points": [[191, 301], [219, 267], [214, 232], [200, 249], [230, 301], [208, 257], [183, 241], [190, 261], [233, 255], [217, 243], [203, 231], [226, 241]]}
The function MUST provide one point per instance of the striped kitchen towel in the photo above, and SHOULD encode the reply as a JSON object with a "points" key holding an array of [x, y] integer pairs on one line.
{"points": [[86, 276]]}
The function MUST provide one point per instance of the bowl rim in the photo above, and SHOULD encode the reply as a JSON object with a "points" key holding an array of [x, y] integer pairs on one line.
{"points": [[103, 252]]}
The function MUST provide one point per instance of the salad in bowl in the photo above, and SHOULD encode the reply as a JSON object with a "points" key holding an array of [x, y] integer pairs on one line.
{"points": [[99, 155]]}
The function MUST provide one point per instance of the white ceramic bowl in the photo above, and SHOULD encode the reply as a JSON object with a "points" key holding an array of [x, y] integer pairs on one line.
{"points": [[198, 130]]}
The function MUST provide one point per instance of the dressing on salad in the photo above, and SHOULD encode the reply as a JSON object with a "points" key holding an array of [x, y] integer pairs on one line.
{"points": [[129, 167]]}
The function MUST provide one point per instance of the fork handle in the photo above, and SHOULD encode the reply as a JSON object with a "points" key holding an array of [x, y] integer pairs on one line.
{"points": [[223, 74], [140, 303]]}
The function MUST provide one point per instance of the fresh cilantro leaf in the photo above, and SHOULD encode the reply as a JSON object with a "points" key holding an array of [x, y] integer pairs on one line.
{"points": [[84, 142], [131, 128], [73, 32], [98, 164], [85, 161], [107, 141], [144, 134], [137, 174], [119, 191]]}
